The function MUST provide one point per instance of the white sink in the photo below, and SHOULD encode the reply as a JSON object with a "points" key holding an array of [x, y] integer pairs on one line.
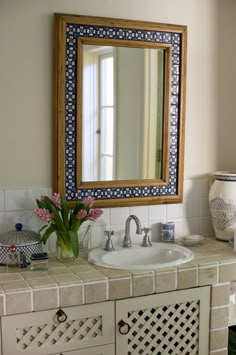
{"points": [[159, 255]]}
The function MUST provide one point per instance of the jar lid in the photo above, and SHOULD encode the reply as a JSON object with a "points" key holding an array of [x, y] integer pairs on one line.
{"points": [[19, 237]]}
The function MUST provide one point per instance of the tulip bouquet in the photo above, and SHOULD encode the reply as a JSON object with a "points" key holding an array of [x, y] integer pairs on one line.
{"points": [[65, 222]]}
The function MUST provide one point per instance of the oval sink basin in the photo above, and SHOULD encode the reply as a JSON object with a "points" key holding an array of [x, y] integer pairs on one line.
{"points": [[159, 255]]}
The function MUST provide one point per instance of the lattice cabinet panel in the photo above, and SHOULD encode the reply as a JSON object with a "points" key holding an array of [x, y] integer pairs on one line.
{"points": [[173, 323], [46, 333]]}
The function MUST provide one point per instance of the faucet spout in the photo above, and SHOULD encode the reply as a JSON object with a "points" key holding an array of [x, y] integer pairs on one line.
{"points": [[127, 240]]}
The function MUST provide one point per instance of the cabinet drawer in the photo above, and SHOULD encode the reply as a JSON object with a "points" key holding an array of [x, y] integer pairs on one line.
{"points": [[41, 332], [98, 350]]}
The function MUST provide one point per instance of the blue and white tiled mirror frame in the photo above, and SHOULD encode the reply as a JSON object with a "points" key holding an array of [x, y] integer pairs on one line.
{"points": [[67, 30]]}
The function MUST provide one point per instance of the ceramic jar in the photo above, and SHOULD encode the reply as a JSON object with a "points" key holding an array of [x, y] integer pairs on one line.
{"points": [[222, 202]]}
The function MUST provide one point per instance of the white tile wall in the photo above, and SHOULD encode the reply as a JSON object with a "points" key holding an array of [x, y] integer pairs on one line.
{"points": [[190, 217]]}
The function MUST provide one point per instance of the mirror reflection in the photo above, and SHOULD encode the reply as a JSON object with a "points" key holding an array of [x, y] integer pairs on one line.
{"points": [[122, 113]]}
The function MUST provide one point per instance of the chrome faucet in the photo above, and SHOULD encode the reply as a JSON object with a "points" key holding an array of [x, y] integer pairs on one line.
{"points": [[127, 241]]}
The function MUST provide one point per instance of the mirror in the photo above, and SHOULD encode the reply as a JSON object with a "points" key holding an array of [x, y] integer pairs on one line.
{"points": [[119, 104], [121, 125]]}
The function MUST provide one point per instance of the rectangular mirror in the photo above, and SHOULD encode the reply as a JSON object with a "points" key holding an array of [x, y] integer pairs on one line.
{"points": [[119, 108]]}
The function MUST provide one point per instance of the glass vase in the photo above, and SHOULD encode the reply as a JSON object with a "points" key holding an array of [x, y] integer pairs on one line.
{"points": [[65, 251]]}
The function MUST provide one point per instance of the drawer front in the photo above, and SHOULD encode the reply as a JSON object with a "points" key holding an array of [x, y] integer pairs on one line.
{"points": [[43, 333], [98, 350]]}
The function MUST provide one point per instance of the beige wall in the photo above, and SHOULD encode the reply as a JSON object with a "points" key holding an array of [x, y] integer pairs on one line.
{"points": [[26, 44], [227, 76]]}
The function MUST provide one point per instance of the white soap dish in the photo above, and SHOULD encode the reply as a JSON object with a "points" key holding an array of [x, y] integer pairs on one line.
{"points": [[192, 239]]}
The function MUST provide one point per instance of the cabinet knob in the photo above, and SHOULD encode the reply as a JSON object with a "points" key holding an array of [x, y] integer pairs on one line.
{"points": [[124, 327], [61, 316]]}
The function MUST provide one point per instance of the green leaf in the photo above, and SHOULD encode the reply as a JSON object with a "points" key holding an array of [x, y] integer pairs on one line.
{"points": [[40, 204], [43, 227], [47, 233], [78, 207], [74, 242], [56, 216], [65, 211]]}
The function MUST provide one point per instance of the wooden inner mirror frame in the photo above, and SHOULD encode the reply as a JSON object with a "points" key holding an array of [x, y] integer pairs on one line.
{"points": [[70, 33]]}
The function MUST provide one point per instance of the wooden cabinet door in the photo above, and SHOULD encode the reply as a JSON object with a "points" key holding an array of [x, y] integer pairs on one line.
{"points": [[41, 333], [169, 323]]}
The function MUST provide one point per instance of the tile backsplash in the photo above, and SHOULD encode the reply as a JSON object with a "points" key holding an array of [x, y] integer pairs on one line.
{"points": [[190, 217]]}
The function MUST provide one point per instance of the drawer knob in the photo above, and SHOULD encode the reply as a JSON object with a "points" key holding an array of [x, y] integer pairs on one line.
{"points": [[61, 316], [124, 327]]}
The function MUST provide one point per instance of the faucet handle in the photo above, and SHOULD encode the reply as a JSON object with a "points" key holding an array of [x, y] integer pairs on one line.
{"points": [[109, 244], [146, 238]]}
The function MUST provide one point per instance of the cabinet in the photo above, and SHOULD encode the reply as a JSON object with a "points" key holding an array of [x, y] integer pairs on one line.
{"points": [[169, 323], [39, 333]]}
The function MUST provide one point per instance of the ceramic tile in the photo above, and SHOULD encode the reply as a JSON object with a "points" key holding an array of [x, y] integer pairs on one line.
{"points": [[219, 352], [179, 229], [16, 285], [206, 227], [15, 200], [119, 215], [28, 275], [2, 200], [10, 277], [81, 268], [191, 226], [119, 288], [208, 275], [2, 305], [191, 207], [143, 284], [187, 278], [71, 295], [60, 271], [42, 282], [219, 317], [114, 273], [96, 291], [2, 222], [69, 279], [46, 298], [33, 194], [88, 276], [19, 302], [204, 207], [220, 294], [155, 232], [13, 217], [141, 212], [174, 212], [227, 272], [157, 213], [218, 339], [165, 281], [97, 236]]}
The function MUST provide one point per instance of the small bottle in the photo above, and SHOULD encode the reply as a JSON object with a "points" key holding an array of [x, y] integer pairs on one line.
{"points": [[13, 259]]}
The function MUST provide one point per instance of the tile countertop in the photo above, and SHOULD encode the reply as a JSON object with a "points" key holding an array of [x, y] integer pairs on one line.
{"points": [[80, 282]]}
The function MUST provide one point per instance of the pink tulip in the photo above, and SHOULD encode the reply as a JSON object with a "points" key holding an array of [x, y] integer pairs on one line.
{"points": [[56, 199], [89, 201], [81, 214], [43, 214], [95, 213]]}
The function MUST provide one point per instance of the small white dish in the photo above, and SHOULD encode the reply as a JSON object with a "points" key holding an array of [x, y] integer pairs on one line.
{"points": [[192, 239]]}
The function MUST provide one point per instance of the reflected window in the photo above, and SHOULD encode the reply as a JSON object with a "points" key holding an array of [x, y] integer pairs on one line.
{"points": [[98, 114], [106, 141]]}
